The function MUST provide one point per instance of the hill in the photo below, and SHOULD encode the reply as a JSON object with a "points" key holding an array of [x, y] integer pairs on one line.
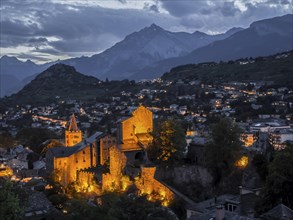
{"points": [[14, 73], [277, 68], [58, 81], [61, 82]]}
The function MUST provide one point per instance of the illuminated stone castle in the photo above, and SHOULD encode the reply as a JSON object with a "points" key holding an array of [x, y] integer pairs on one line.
{"points": [[125, 153], [78, 155], [133, 138]]}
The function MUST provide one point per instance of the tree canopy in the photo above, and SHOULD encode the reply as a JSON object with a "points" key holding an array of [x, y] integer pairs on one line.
{"points": [[34, 137], [279, 182], [10, 204], [168, 142], [223, 148]]}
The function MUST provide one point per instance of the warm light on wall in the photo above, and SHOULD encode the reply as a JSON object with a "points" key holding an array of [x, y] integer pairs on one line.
{"points": [[151, 188], [242, 162]]}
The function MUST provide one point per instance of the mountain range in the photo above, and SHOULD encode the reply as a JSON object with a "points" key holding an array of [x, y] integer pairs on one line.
{"points": [[261, 38], [150, 52], [62, 82], [141, 49]]}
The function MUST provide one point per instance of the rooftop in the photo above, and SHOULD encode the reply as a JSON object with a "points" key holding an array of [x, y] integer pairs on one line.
{"points": [[279, 212], [60, 152]]}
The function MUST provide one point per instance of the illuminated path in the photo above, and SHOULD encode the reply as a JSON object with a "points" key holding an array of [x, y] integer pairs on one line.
{"points": [[42, 118]]}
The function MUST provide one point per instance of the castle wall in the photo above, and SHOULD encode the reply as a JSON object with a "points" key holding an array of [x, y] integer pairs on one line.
{"points": [[61, 166], [154, 189], [141, 122], [105, 144], [84, 158], [85, 180], [128, 130], [112, 181], [69, 166]]}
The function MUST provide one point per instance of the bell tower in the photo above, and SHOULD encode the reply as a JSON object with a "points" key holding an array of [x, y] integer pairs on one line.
{"points": [[72, 135]]}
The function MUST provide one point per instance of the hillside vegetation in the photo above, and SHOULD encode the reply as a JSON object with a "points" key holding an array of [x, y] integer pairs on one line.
{"points": [[277, 68]]}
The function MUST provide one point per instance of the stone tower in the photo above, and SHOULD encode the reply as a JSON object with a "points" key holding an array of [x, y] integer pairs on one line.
{"points": [[72, 135], [136, 128]]}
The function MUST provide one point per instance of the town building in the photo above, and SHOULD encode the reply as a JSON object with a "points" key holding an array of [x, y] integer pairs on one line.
{"points": [[248, 138], [278, 138]]}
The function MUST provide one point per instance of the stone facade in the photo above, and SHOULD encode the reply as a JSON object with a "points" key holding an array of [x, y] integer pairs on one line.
{"points": [[137, 127], [70, 165], [105, 144], [154, 189], [112, 181], [85, 180]]}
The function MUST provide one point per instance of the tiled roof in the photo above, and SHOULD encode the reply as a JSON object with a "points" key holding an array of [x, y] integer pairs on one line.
{"points": [[67, 151]]}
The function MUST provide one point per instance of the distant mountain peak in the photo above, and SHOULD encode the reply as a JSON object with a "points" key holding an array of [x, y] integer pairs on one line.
{"points": [[4, 57], [153, 27], [199, 33], [9, 58], [29, 61], [60, 67]]}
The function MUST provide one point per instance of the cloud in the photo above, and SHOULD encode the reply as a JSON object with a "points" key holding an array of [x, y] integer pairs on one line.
{"points": [[81, 29], [185, 8], [228, 9], [151, 7], [122, 1], [218, 16], [38, 57], [74, 28]]}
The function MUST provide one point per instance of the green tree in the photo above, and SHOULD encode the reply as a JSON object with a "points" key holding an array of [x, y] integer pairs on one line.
{"points": [[34, 137], [223, 149], [10, 204], [279, 182], [168, 142]]}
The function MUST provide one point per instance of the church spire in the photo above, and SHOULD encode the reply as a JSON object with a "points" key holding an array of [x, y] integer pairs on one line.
{"points": [[73, 124], [72, 135]]}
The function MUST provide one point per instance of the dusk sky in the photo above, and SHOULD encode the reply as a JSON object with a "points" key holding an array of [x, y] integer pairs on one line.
{"points": [[48, 30]]}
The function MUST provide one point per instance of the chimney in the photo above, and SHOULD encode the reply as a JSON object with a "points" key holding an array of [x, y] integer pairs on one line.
{"points": [[220, 212]]}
